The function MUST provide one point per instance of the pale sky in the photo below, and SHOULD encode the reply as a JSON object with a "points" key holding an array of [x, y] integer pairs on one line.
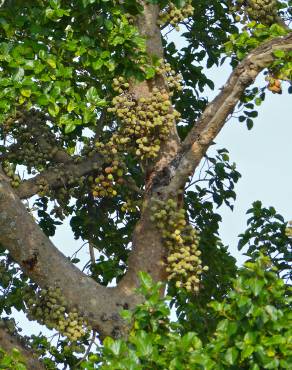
{"points": [[263, 157]]}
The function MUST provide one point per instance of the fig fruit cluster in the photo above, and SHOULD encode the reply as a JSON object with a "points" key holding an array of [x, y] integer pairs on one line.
{"points": [[262, 11], [9, 171], [174, 15], [145, 122], [48, 307], [33, 144], [105, 184], [184, 265]]}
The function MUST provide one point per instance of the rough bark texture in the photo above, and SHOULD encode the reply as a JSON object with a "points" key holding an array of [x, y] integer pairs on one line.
{"points": [[9, 341], [47, 266], [214, 117], [148, 252], [30, 187]]}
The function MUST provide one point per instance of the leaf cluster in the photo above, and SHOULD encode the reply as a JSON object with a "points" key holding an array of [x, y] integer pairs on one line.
{"points": [[253, 332]]}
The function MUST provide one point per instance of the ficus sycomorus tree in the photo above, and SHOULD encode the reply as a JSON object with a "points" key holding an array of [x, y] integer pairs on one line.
{"points": [[105, 122]]}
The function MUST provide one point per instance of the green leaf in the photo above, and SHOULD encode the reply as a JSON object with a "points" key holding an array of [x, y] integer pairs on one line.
{"points": [[92, 95], [126, 315], [25, 92], [191, 339], [146, 280], [110, 64], [279, 53], [43, 100], [231, 355], [115, 347], [249, 123], [70, 127], [150, 72], [246, 352], [117, 40], [87, 2], [71, 106], [18, 76], [20, 367], [52, 63], [143, 342], [97, 64], [272, 311], [53, 109], [256, 286], [108, 24]]}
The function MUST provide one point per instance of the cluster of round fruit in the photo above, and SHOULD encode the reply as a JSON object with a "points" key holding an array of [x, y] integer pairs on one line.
{"points": [[28, 130], [172, 79], [145, 122], [131, 206], [184, 265], [48, 307], [262, 11], [107, 149], [105, 184], [63, 193], [174, 15], [120, 84], [43, 187], [10, 172]]}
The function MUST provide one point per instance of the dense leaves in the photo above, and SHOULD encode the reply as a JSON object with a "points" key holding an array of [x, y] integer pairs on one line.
{"points": [[266, 233], [58, 62], [59, 75], [12, 361], [253, 332]]}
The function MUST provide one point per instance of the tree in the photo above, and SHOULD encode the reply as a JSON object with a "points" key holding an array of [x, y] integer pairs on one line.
{"points": [[108, 123]]}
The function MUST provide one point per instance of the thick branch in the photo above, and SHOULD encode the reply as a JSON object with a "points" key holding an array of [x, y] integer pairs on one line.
{"points": [[9, 341], [148, 27], [48, 267], [214, 117], [30, 187], [148, 253], [44, 264]]}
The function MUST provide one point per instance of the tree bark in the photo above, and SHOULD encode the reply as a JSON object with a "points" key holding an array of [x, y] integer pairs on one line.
{"points": [[48, 267], [9, 341]]}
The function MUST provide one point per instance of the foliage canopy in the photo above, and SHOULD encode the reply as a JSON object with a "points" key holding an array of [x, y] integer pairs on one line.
{"points": [[105, 123]]}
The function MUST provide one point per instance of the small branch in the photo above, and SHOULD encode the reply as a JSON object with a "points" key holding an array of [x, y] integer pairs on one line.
{"points": [[91, 252], [130, 182], [87, 350]]}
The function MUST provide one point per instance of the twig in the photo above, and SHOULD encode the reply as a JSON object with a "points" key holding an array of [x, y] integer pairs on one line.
{"points": [[87, 350]]}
